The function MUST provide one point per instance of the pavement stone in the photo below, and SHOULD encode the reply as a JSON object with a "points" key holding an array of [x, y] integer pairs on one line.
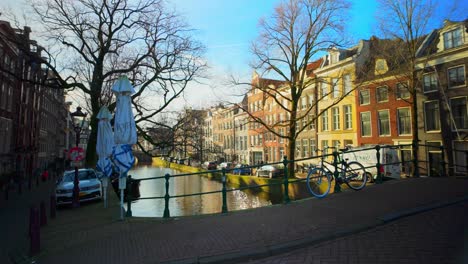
{"points": [[436, 236], [92, 234]]}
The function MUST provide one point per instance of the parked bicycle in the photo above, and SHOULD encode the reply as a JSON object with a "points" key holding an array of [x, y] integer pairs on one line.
{"points": [[319, 179]]}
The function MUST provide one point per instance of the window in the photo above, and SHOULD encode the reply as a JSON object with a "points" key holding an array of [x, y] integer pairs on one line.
{"points": [[431, 116], [347, 83], [303, 102], [382, 94], [325, 120], [404, 121], [324, 90], [312, 122], [281, 139], [336, 144], [348, 117], [313, 147], [324, 144], [460, 149], [305, 148], [311, 100], [304, 123], [430, 82], [456, 76], [452, 39], [459, 113], [336, 118], [402, 91], [364, 97], [365, 124], [384, 122], [335, 90], [347, 142]]}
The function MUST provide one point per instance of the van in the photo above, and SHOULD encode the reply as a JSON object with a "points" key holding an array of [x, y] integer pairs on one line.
{"points": [[389, 160]]}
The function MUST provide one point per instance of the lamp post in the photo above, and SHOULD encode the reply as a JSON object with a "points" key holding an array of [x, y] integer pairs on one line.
{"points": [[77, 116]]}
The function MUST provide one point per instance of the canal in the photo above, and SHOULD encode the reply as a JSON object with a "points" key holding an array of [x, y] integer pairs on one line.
{"points": [[192, 205]]}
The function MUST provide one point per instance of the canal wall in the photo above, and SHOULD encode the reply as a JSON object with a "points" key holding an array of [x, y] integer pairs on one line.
{"points": [[274, 187]]}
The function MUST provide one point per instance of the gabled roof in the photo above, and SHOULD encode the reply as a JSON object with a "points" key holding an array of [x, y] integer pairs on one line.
{"points": [[430, 42], [311, 67]]}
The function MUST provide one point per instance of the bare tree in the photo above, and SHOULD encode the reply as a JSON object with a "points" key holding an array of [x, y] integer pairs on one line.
{"points": [[93, 42], [409, 22], [297, 32]]}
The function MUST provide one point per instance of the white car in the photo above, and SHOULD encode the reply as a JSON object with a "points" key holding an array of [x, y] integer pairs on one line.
{"points": [[89, 184]]}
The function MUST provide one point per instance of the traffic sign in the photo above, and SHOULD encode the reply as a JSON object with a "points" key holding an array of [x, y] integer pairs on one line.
{"points": [[76, 154]]}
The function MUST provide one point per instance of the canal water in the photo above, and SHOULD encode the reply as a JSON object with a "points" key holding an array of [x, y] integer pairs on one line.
{"points": [[192, 205]]}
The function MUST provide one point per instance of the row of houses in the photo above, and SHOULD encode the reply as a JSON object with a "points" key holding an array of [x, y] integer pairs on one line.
{"points": [[35, 124], [360, 96]]}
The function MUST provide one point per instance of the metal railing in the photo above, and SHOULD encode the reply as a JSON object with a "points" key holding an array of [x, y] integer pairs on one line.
{"points": [[335, 156]]}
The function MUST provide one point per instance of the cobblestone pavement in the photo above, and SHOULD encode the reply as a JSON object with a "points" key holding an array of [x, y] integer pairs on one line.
{"points": [[437, 236], [92, 234], [14, 218]]}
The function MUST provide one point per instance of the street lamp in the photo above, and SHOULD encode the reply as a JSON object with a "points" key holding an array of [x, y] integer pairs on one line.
{"points": [[78, 118]]}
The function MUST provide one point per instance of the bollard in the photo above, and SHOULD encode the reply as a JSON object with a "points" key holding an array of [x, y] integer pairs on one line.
{"points": [[166, 197], [7, 189], [53, 206], [34, 232], [224, 207], [336, 173], [442, 162], [129, 196], [43, 214], [415, 146], [378, 165], [286, 181]]}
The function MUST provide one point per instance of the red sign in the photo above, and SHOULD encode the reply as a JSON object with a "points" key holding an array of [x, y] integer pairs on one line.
{"points": [[76, 154]]}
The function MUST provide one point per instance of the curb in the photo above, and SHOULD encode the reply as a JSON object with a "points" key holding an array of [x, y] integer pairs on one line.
{"points": [[272, 250]]}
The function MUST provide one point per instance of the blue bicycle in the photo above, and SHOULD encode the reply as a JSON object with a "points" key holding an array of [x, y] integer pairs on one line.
{"points": [[319, 179]]}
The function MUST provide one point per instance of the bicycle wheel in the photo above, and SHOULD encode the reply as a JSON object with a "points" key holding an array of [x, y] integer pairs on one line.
{"points": [[355, 176], [318, 182]]}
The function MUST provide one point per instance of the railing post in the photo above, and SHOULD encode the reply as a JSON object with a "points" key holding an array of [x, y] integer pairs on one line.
{"points": [[129, 196], [442, 162], [224, 207], [336, 173], [415, 160], [166, 197], [378, 165], [286, 181]]}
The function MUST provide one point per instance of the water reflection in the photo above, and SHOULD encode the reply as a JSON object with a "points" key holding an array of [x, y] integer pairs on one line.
{"points": [[192, 205]]}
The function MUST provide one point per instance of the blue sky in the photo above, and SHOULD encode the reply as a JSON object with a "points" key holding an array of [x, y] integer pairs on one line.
{"points": [[227, 28]]}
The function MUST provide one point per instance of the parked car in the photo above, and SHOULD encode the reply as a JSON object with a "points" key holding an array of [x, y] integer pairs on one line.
{"points": [[225, 165], [270, 171], [212, 165], [89, 184], [242, 169]]}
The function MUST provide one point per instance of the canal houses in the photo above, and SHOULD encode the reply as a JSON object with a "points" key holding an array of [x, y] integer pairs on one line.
{"points": [[241, 123], [443, 100], [337, 88], [306, 142]]}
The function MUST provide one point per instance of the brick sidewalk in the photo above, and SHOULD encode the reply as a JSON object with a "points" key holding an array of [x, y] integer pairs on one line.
{"points": [[437, 236], [14, 218], [94, 235]]}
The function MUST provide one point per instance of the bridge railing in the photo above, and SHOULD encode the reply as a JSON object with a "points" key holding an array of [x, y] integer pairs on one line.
{"points": [[428, 166]]}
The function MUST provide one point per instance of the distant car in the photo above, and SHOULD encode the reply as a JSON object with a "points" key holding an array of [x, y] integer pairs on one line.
{"points": [[89, 184], [242, 169], [225, 165], [270, 171], [212, 165]]}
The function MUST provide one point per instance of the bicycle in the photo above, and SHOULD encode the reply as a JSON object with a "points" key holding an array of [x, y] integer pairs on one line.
{"points": [[319, 179]]}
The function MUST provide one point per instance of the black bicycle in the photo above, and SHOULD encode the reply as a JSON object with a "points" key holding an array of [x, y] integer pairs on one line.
{"points": [[319, 179]]}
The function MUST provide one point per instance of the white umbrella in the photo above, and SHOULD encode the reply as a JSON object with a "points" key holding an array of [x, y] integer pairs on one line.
{"points": [[104, 146], [124, 132]]}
